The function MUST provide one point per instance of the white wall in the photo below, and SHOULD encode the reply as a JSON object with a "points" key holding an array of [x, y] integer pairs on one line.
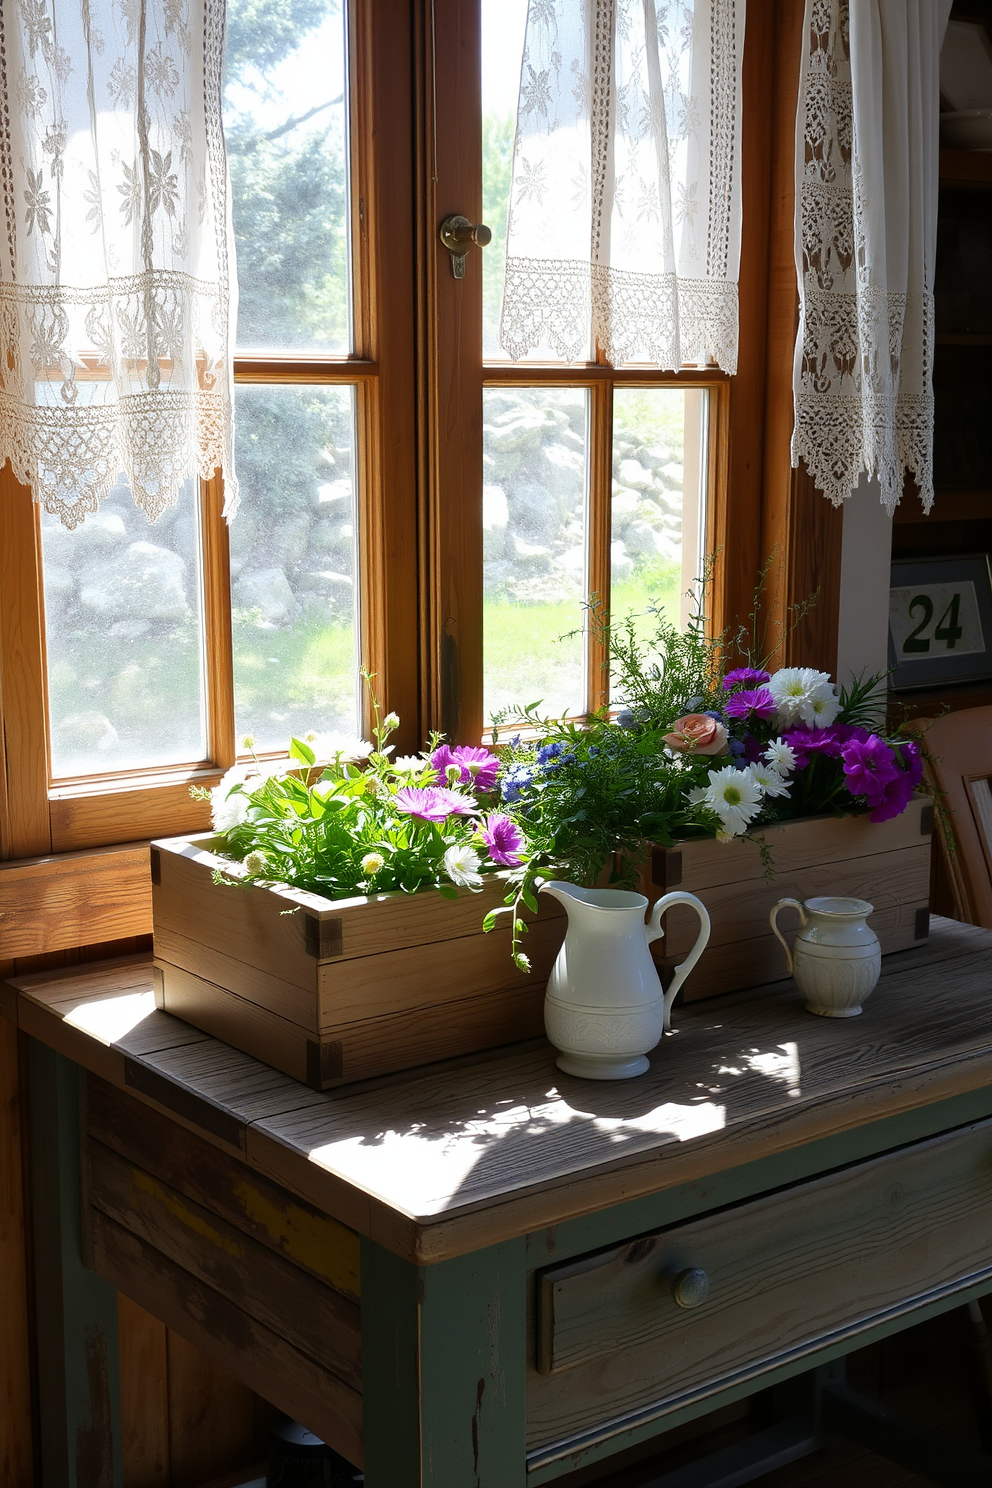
{"points": [[866, 551]]}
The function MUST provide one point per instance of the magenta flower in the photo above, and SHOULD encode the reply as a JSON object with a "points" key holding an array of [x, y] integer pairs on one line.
{"points": [[478, 768], [912, 759], [432, 803], [745, 677], [893, 799], [869, 768], [503, 838], [743, 704]]}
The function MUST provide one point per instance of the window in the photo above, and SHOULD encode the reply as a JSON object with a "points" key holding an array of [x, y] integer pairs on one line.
{"points": [[410, 498]]}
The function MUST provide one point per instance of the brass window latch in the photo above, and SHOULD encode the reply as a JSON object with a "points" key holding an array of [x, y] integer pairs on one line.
{"points": [[458, 234]]}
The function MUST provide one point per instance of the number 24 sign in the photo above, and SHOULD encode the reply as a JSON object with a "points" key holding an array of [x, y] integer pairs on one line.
{"points": [[939, 621]]}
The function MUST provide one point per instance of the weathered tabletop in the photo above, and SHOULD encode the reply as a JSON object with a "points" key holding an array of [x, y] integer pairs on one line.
{"points": [[444, 1159]]}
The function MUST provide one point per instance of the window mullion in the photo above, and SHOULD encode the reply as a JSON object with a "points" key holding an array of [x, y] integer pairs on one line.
{"points": [[598, 529], [219, 645]]}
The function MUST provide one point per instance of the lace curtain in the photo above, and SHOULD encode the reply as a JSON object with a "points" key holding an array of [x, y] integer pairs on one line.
{"points": [[116, 268], [625, 206], [866, 231]]}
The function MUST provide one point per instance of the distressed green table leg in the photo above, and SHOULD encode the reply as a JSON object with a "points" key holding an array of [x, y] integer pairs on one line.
{"points": [[443, 1355], [79, 1400]]}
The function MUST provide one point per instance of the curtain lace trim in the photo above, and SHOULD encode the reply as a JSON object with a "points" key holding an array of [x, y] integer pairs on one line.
{"points": [[627, 141], [116, 294], [864, 354]]}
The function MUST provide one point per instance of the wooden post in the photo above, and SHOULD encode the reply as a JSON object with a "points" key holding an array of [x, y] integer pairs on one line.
{"points": [[76, 1312], [443, 1352]]}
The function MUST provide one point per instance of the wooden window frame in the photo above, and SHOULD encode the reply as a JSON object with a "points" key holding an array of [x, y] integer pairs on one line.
{"points": [[40, 815], [419, 373]]}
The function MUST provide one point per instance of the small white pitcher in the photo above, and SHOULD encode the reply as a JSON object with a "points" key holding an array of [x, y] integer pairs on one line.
{"points": [[836, 959], [604, 1007]]}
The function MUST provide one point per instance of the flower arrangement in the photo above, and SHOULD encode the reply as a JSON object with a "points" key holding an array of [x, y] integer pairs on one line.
{"points": [[698, 750], [341, 818]]}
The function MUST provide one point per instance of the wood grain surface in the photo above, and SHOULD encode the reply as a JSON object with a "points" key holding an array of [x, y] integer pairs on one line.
{"points": [[816, 1262], [253, 925], [262, 1359], [75, 899], [411, 978], [360, 1049], [230, 1189], [448, 1158]]}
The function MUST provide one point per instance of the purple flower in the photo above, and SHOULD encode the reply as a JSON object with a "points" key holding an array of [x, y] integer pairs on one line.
{"points": [[433, 803], [477, 767], [869, 767], [752, 749], [912, 759], [806, 741], [745, 677], [894, 798], [503, 838], [759, 702]]}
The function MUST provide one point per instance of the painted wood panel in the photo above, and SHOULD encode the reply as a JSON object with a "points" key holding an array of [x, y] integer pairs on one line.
{"points": [[788, 1272]]}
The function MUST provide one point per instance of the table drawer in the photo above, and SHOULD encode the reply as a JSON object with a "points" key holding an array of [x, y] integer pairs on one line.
{"points": [[788, 1273]]}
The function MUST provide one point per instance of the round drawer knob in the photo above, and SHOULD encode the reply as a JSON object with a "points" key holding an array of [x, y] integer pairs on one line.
{"points": [[690, 1287]]}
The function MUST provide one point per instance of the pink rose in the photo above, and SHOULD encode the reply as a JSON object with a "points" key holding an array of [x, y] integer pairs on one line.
{"points": [[697, 733]]}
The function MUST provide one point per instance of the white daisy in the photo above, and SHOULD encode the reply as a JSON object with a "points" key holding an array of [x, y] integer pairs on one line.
{"points": [[390, 723], [768, 780], [825, 707], [781, 756], [697, 796], [373, 863], [409, 764], [339, 748], [461, 864], [735, 798], [227, 810], [256, 862], [795, 690]]}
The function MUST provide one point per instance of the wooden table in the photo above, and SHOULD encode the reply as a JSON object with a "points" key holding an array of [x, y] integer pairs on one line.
{"points": [[468, 1274]]}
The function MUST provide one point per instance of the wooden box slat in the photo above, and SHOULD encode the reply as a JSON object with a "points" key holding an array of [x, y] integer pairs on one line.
{"points": [[885, 863], [372, 1046], [334, 991]]}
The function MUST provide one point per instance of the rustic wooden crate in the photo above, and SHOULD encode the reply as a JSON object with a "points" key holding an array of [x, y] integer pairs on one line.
{"points": [[887, 863], [338, 990]]}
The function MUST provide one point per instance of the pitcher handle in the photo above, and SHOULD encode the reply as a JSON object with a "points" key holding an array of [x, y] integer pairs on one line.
{"points": [[773, 921], [654, 930]]}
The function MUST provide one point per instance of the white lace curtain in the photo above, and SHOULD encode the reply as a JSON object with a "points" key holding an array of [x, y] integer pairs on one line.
{"points": [[116, 267], [866, 232], [625, 206]]}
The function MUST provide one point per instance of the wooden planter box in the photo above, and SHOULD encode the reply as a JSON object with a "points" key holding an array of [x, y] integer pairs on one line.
{"points": [[887, 863], [331, 991]]}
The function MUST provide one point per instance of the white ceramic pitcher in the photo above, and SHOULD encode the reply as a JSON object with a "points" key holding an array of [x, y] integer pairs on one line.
{"points": [[604, 1007], [836, 959]]}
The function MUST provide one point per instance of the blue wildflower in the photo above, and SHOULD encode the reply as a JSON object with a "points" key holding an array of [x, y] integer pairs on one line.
{"points": [[549, 752], [516, 780], [735, 748], [593, 751], [626, 719]]}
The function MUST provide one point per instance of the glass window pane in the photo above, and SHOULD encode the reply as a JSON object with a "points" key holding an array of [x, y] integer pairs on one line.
{"points": [[124, 637], [659, 485], [285, 121], [534, 547], [294, 563]]}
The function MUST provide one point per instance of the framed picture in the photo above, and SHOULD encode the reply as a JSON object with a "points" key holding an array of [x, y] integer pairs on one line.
{"points": [[940, 621]]}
